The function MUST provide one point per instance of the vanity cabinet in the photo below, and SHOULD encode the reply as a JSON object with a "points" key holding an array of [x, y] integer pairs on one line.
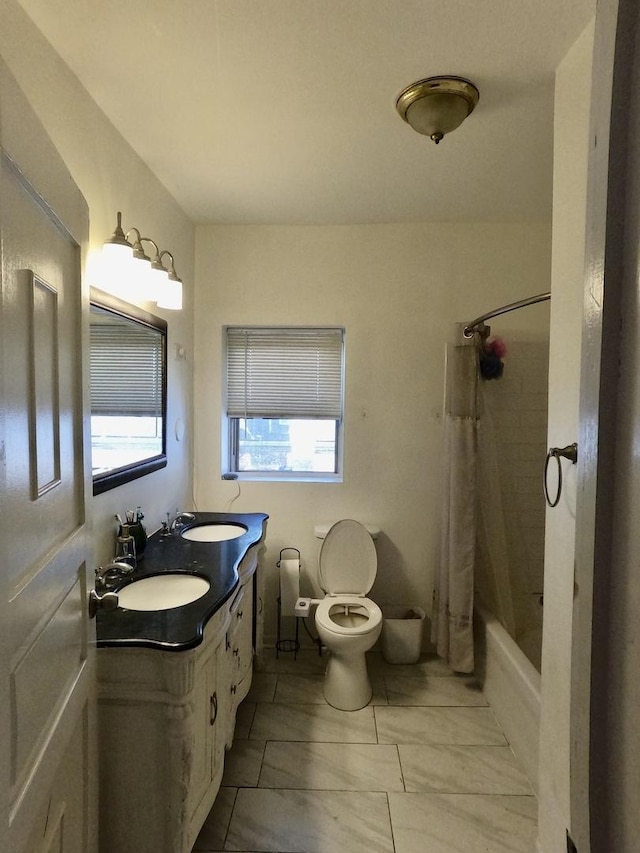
{"points": [[165, 719]]}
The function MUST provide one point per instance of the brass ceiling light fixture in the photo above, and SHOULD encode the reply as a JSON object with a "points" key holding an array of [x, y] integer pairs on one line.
{"points": [[437, 105]]}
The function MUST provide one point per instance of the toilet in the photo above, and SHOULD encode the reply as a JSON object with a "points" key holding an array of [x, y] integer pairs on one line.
{"points": [[347, 622]]}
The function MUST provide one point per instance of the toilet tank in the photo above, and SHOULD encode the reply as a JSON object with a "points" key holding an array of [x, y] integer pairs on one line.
{"points": [[322, 529]]}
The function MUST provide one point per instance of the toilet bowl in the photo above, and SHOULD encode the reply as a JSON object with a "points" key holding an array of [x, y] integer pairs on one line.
{"points": [[347, 622]]}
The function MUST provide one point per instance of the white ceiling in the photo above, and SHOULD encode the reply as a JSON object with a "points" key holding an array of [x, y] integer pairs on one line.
{"points": [[283, 111]]}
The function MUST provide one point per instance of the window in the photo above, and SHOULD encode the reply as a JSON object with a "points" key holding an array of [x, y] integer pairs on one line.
{"points": [[284, 390]]}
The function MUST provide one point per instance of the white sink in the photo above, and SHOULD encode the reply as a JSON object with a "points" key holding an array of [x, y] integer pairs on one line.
{"points": [[162, 592], [213, 532]]}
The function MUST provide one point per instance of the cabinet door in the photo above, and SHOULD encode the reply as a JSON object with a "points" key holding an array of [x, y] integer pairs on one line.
{"points": [[233, 661], [245, 641], [219, 717], [204, 713]]}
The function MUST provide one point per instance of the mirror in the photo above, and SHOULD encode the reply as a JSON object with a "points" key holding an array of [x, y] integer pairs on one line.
{"points": [[128, 348]]}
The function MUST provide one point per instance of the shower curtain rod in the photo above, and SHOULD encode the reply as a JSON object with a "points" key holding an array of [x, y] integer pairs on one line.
{"points": [[513, 306]]}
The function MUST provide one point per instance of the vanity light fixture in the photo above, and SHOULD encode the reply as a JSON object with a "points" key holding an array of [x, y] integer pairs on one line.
{"points": [[437, 105], [145, 277], [171, 294]]}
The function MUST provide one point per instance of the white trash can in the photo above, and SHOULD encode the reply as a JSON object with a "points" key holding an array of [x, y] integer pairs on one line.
{"points": [[402, 634]]}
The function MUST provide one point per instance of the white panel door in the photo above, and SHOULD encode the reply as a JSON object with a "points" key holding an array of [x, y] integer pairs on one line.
{"points": [[48, 689]]}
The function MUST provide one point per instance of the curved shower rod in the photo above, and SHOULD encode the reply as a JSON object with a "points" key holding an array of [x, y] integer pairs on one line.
{"points": [[470, 328]]}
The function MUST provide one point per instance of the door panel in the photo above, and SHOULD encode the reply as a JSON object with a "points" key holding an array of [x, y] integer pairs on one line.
{"points": [[46, 548]]}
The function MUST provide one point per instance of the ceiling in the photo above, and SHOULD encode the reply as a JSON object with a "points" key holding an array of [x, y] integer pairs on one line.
{"points": [[283, 111]]}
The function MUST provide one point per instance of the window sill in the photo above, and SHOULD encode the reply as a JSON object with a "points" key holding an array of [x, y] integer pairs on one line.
{"points": [[286, 477]]}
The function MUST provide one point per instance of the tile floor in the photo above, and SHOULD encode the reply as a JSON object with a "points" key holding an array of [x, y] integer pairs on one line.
{"points": [[424, 768]]}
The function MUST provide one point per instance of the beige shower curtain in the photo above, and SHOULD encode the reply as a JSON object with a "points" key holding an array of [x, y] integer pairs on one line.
{"points": [[452, 625]]}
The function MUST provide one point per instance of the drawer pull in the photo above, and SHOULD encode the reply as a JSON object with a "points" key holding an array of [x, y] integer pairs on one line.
{"points": [[213, 707]]}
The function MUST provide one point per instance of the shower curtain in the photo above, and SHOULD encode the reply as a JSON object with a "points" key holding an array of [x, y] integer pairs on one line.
{"points": [[452, 625]]}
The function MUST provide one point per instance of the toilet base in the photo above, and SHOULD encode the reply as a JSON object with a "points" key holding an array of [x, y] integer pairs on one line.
{"points": [[346, 682]]}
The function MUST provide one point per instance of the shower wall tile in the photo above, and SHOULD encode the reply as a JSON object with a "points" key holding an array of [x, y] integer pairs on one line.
{"points": [[528, 485], [534, 402], [535, 452]]}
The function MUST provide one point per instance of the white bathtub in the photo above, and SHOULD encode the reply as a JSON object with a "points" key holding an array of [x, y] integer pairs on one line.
{"points": [[511, 685]]}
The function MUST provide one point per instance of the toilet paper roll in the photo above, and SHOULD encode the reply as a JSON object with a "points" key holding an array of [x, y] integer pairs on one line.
{"points": [[289, 586]]}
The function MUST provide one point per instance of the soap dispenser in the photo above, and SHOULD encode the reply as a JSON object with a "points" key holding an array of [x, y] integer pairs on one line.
{"points": [[125, 547]]}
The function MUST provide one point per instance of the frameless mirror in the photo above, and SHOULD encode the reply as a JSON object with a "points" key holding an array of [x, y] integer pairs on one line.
{"points": [[128, 392]]}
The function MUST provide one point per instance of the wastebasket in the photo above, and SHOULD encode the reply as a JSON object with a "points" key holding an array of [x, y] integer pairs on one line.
{"points": [[402, 634]]}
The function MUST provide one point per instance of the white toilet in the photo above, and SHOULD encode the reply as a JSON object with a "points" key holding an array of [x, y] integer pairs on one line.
{"points": [[347, 622]]}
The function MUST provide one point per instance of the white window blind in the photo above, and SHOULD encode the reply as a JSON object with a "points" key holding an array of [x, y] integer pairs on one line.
{"points": [[284, 372], [126, 371]]}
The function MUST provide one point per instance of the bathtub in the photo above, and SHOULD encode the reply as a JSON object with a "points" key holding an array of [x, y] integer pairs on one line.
{"points": [[511, 685]]}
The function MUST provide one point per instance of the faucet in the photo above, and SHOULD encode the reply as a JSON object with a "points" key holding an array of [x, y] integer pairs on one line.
{"points": [[109, 574], [180, 520]]}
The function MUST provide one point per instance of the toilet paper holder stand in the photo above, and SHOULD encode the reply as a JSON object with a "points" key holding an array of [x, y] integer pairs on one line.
{"points": [[287, 645]]}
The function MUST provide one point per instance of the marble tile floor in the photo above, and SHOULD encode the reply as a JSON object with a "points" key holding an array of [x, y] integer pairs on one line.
{"points": [[424, 768]]}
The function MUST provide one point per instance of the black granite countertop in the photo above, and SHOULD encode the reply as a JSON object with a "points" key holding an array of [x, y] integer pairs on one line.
{"points": [[181, 628]]}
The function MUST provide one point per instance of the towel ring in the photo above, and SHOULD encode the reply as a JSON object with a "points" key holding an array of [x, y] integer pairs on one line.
{"points": [[569, 452]]}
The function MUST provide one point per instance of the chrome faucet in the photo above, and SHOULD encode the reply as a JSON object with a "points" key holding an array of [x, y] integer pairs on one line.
{"points": [[107, 576], [180, 520]]}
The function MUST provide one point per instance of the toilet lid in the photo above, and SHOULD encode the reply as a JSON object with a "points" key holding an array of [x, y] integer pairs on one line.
{"points": [[348, 559]]}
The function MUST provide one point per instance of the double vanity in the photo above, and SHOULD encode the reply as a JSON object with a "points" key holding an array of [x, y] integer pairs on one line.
{"points": [[174, 662]]}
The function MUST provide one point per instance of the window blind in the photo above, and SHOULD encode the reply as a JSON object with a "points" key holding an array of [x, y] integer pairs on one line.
{"points": [[126, 371], [284, 372]]}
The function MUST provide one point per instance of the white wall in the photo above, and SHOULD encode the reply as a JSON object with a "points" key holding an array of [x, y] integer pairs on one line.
{"points": [[572, 104], [397, 289], [112, 177]]}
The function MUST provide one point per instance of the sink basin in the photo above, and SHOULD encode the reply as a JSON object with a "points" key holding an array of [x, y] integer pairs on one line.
{"points": [[162, 592], [213, 532]]}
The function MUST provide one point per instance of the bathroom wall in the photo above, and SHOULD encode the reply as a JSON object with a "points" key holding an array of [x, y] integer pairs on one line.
{"points": [[112, 177], [397, 289], [572, 103]]}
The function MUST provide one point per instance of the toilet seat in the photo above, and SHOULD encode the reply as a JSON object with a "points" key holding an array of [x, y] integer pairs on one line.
{"points": [[348, 561], [368, 615]]}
